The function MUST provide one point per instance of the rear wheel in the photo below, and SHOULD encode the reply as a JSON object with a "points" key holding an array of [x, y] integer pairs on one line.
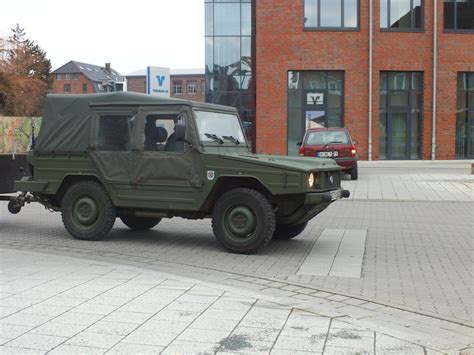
{"points": [[354, 173], [140, 223], [286, 232], [87, 211], [243, 221]]}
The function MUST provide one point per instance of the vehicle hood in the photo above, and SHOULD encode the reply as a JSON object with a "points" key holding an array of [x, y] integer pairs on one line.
{"points": [[303, 164]]}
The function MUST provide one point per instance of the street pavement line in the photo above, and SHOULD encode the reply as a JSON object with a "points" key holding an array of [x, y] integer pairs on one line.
{"points": [[337, 253]]}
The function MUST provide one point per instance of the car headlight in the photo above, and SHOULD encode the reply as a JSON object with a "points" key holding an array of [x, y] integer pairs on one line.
{"points": [[311, 180]]}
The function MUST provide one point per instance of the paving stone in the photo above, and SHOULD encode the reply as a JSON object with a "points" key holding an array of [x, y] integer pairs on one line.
{"points": [[36, 341], [388, 345], [11, 331], [97, 340], [113, 328], [127, 348], [127, 317], [4, 350], [190, 347], [165, 326], [199, 335], [78, 318], [297, 344], [74, 349], [58, 329], [149, 338]]}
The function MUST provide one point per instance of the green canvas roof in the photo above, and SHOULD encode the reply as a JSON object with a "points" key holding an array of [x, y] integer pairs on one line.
{"points": [[67, 119]]}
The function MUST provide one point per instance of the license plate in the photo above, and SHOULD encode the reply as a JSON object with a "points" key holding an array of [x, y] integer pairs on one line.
{"points": [[329, 154], [335, 195]]}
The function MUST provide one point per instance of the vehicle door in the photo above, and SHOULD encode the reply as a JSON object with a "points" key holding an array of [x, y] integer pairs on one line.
{"points": [[167, 170], [111, 150]]}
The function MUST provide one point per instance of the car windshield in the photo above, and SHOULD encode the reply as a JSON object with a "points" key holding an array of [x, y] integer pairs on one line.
{"points": [[325, 137], [219, 127]]}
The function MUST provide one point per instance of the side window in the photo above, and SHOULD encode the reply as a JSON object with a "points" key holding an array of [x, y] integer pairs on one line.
{"points": [[160, 135], [115, 132]]}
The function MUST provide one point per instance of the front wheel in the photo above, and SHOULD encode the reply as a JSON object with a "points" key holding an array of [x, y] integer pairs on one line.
{"points": [[286, 232], [87, 211], [243, 221], [140, 223]]}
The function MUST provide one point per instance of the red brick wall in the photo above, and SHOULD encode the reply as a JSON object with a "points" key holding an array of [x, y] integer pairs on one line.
{"points": [[136, 84], [76, 85], [283, 45]]}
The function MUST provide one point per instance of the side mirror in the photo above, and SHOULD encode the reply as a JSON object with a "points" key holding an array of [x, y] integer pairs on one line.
{"points": [[355, 142], [180, 131], [299, 144]]}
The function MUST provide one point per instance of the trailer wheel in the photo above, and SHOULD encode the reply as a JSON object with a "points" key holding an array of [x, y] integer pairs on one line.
{"points": [[14, 207], [87, 211]]}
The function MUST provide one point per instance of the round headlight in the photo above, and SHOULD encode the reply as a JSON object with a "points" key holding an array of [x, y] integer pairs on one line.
{"points": [[311, 180]]}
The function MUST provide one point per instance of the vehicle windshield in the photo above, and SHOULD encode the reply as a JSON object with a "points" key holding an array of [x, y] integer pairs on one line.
{"points": [[326, 137], [219, 127]]}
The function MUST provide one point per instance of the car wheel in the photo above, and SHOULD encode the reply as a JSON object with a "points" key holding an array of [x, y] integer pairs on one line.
{"points": [[140, 223], [286, 232], [243, 221], [87, 211], [354, 173]]}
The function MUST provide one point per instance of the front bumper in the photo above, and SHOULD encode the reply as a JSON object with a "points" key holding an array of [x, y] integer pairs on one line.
{"points": [[319, 197]]}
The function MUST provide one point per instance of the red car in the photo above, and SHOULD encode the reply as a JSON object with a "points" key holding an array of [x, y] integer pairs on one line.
{"points": [[335, 143]]}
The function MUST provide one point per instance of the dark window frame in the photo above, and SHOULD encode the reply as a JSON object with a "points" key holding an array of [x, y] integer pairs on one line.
{"points": [[333, 29], [177, 84], [85, 88], [468, 152], [455, 14], [67, 88], [412, 27]]}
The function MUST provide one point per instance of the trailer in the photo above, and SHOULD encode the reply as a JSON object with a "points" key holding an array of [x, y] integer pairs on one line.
{"points": [[17, 135]]}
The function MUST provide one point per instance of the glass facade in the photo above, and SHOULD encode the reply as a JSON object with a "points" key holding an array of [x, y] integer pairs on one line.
{"points": [[401, 14], [459, 15], [465, 116], [315, 99], [400, 115], [230, 45]]}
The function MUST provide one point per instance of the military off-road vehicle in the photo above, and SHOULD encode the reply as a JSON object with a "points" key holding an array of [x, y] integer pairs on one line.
{"points": [[141, 158]]}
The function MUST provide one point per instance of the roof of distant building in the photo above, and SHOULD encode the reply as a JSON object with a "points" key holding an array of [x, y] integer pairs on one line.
{"points": [[197, 71], [93, 72]]}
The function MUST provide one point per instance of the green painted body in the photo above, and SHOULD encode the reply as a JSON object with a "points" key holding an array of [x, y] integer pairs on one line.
{"points": [[216, 168]]}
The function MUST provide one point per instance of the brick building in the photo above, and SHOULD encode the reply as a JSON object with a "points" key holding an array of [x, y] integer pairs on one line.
{"points": [[82, 78], [188, 84], [312, 60]]}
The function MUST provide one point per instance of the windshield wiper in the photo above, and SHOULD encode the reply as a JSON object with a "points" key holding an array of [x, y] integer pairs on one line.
{"points": [[214, 137], [232, 139]]}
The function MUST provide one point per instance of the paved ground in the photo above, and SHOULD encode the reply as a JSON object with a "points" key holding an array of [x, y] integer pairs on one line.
{"points": [[416, 276], [71, 305]]}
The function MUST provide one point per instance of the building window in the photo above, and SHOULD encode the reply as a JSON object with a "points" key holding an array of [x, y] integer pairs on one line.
{"points": [[58, 76], [331, 14], [401, 14], [84, 88], [459, 15], [465, 116], [203, 87], [192, 87], [315, 99], [68, 76], [67, 88], [76, 76], [177, 87], [400, 115]]}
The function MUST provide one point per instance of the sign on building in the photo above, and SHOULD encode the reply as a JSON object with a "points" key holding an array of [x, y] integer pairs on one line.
{"points": [[158, 81]]}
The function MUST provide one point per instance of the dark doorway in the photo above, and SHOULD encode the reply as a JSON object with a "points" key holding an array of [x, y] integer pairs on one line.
{"points": [[400, 115]]}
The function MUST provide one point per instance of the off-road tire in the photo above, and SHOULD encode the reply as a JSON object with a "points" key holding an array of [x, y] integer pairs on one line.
{"points": [[140, 223], [354, 173], [87, 211], [286, 232], [243, 221]]}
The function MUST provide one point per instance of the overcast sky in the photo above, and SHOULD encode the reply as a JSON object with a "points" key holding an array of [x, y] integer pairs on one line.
{"points": [[130, 34]]}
